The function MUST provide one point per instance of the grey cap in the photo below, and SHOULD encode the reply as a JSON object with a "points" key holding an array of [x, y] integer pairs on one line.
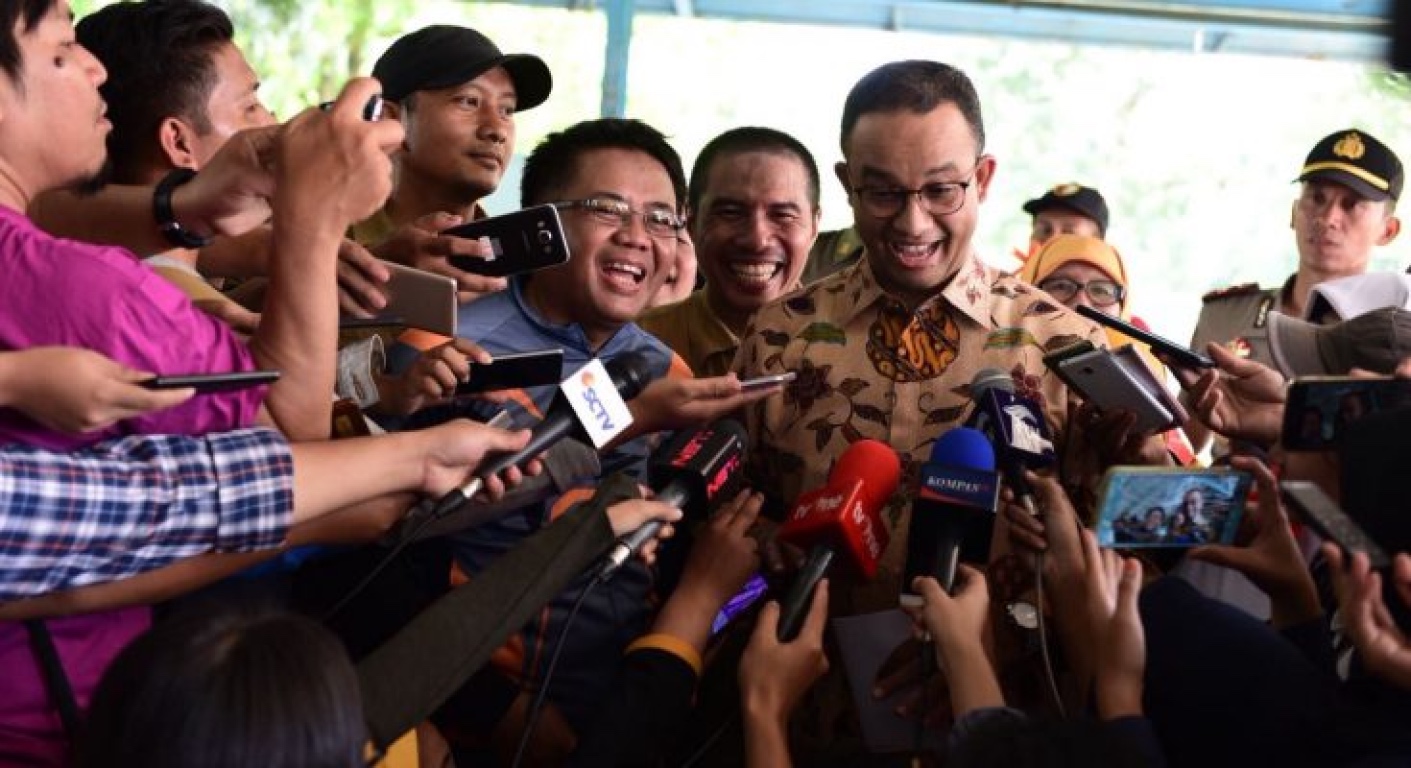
{"points": [[1376, 341]]}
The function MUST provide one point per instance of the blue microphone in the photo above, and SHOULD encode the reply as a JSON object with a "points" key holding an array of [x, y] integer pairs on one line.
{"points": [[952, 514]]}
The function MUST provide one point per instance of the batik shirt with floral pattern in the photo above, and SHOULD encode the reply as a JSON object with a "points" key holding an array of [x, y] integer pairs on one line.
{"points": [[870, 368]]}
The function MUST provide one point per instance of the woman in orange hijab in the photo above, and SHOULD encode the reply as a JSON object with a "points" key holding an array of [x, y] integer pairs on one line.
{"points": [[1077, 269]]}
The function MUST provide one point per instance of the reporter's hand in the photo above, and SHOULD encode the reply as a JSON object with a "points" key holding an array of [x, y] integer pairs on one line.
{"points": [[333, 168], [724, 555], [78, 390], [1115, 438], [421, 245], [432, 378], [773, 675], [1113, 583], [627, 516], [957, 623], [1239, 398], [454, 450], [1268, 555], [1381, 644], [362, 281], [672, 402], [230, 196]]}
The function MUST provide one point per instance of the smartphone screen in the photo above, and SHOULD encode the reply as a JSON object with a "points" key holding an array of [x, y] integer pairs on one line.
{"points": [[748, 595], [1142, 507], [515, 371], [1180, 355], [1319, 408]]}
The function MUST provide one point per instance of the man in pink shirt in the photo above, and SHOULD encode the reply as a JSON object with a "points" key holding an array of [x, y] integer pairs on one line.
{"points": [[329, 169]]}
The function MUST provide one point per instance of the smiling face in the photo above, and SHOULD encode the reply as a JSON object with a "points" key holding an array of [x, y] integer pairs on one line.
{"points": [[52, 128], [915, 253], [461, 138], [614, 269], [753, 230], [1336, 229]]}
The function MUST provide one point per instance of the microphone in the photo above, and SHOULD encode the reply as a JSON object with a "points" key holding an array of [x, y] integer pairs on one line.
{"points": [[689, 473], [629, 374], [952, 515], [844, 516], [1015, 427]]}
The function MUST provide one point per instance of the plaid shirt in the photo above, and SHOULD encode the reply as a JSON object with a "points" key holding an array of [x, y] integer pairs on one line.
{"points": [[137, 503]]}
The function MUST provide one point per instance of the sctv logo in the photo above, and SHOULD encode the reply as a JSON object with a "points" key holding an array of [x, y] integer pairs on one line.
{"points": [[595, 405]]}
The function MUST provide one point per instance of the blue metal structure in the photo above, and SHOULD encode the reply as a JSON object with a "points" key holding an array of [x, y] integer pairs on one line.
{"points": [[1355, 30]]}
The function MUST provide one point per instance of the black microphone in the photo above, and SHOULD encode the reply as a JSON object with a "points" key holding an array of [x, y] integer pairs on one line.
{"points": [[689, 473], [952, 514], [1016, 428], [630, 374]]}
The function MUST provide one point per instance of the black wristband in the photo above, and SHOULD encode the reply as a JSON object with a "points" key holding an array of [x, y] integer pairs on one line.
{"points": [[175, 234]]}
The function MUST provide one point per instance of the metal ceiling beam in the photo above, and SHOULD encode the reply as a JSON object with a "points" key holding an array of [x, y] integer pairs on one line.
{"points": [[1353, 30]]}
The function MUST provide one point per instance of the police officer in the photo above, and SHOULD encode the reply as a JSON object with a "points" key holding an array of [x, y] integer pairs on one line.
{"points": [[1067, 209], [1346, 207]]}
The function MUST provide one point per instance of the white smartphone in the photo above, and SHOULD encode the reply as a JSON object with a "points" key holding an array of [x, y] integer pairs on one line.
{"points": [[750, 385]]}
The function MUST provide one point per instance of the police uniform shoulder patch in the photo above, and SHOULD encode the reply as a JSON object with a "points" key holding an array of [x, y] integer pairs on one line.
{"points": [[1243, 289]]}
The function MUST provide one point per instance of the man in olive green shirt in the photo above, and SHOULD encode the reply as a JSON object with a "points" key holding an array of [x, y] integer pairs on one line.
{"points": [[753, 199]]}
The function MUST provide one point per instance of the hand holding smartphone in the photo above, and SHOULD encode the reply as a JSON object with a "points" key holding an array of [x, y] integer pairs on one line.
{"points": [[520, 242], [1330, 522]]}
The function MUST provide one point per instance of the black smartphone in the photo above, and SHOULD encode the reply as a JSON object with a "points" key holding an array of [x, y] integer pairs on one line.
{"points": [[205, 383], [521, 242], [1318, 408], [515, 370], [1330, 522], [372, 110], [1184, 357]]}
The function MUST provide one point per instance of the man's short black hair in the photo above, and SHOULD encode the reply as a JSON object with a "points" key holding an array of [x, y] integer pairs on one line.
{"points": [[159, 57], [556, 158], [750, 139], [25, 14], [917, 86]]}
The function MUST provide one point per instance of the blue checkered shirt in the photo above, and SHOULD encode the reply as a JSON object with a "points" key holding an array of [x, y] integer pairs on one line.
{"points": [[137, 503]]}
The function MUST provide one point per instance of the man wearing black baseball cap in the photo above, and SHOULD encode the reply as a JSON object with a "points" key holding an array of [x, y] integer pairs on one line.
{"points": [[456, 94], [1067, 209], [1349, 186]]}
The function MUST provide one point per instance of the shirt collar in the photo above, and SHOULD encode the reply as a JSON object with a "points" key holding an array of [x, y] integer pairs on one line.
{"points": [[969, 291], [712, 333], [569, 334]]}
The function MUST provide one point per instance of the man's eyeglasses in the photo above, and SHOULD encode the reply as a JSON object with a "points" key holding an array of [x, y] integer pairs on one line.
{"points": [[660, 222], [939, 198], [1102, 293]]}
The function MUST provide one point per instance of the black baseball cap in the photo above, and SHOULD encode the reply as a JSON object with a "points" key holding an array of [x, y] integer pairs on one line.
{"points": [[1357, 160], [441, 56], [1077, 198]]}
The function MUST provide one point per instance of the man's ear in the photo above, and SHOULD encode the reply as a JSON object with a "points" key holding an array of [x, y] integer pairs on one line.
{"points": [[1293, 213], [984, 174], [177, 140], [840, 169], [1392, 228]]}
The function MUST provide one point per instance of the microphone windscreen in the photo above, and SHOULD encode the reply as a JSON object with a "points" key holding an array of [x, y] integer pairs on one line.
{"points": [[875, 464], [964, 447], [630, 373]]}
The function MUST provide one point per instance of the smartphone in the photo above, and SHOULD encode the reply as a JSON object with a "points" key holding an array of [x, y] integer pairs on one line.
{"points": [[1330, 522], [1081, 347], [515, 370], [372, 110], [1184, 357], [381, 322], [743, 600], [522, 241], [1110, 382], [1318, 408], [205, 383], [750, 385], [425, 300], [1158, 507]]}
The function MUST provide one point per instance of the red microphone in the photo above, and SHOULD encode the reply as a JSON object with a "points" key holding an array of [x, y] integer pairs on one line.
{"points": [[842, 517]]}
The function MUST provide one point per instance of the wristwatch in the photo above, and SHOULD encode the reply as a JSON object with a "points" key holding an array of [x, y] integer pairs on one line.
{"points": [[172, 230], [1023, 615]]}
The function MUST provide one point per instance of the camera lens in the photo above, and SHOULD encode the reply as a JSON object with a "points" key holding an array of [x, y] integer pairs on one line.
{"points": [[546, 237]]}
